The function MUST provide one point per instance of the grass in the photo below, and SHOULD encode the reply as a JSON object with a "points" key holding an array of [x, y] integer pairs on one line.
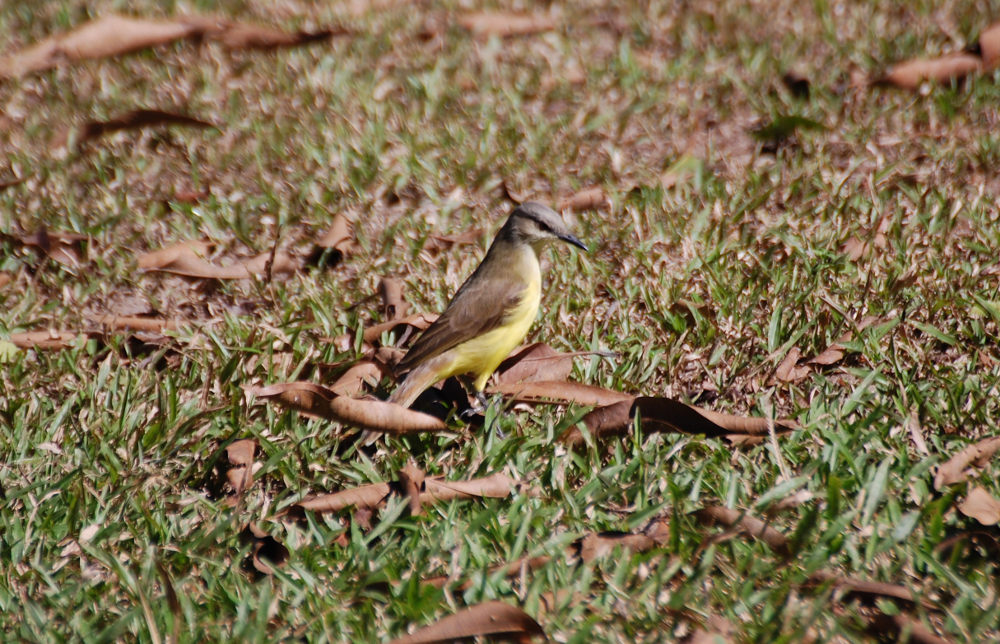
{"points": [[699, 289]]}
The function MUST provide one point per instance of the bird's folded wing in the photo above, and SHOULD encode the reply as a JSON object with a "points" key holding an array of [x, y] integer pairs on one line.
{"points": [[477, 308]]}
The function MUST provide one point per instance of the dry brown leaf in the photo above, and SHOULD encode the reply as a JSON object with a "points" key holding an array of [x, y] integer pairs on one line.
{"points": [[902, 627], [492, 618], [108, 36], [789, 369], [62, 247], [390, 289], [835, 352], [912, 73], [981, 506], [5, 278], [247, 36], [133, 120], [561, 393], [186, 259], [745, 523], [417, 321], [374, 415], [240, 456], [265, 551], [533, 363], [989, 45], [411, 479], [957, 469], [365, 496], [599, 544], [659, 414], [10, 183], [862, 588], [355, 380], [335, 242], [495, 486], [46, 339], [502, 24], [584, 200], [135, 323], [439, 243]]}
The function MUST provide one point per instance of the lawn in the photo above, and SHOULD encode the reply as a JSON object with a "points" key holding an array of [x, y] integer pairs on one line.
{"points": [[774, 236]]}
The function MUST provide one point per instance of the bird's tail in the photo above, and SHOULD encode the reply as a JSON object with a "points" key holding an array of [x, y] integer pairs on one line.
{"points": [[416, 382]]}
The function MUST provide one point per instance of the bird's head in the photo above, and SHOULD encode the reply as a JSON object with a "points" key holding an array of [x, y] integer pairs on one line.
{"points": [[533, 223]]}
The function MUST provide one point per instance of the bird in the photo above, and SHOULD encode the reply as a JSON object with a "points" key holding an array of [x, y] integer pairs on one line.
{"points": [[491, 312]]}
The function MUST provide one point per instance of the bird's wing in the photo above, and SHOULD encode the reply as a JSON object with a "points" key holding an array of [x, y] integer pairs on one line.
{"points": [[478, 307]]}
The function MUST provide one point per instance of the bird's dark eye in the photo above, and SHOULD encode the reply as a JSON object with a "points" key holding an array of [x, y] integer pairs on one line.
{"points": [[544, 226]]}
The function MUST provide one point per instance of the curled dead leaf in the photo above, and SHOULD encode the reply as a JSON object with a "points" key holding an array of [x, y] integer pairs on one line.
{"points": [[533, 363], [981, 506], [502, 24], [136, 323], [334, 244], [357, 378], [393, 305], [265, 551], [738, 521], [132, 120], [660, 414], [240, 464], [902, 627], [108, 36], [869, 590], [957, 468], [62, 247], [416, 321], [788, 370], [492, 618], [365, 496], [560, 393], [912, 73], [587, 199], [599, 544], [374, 415], [248, 36], [186, 259], [47, 339], [989, 45]]}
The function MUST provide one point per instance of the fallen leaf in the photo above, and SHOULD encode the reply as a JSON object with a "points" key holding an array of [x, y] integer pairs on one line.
{"points": [[334, 244], [265, 551], [62, 247], [5, 278], [981, 506], [427, 490], [247, 36], [533, 363], [439, 243], [492, 618], [393, 305], [560, 393], [989, 45], [10, 183], [416, 321], [788, 370], [411, 479], [357, 378], [108, 36], [502, 24], [870, 590], [584, 200], [599, 544], [912, 73], [742, 522], [240, 467], [366, 496], [660, 414], [135, 323], [957, 468], [495, 486], [374, 415], [835, 352], [133, 120], [185, 259], [902, 627], [46, 339]]}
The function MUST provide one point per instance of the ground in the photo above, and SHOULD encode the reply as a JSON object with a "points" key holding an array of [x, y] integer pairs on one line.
{"points": [[742, 215]]}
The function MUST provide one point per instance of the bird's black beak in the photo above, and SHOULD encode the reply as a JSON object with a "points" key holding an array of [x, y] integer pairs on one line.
{"points": [[566, 237]]}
